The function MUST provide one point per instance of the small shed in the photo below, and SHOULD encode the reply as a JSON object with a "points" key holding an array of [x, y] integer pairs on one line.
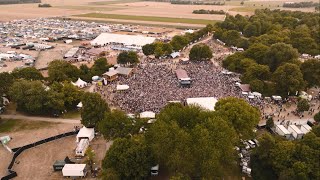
{"points": [[74, 170], [111, 75], [85, 133]]}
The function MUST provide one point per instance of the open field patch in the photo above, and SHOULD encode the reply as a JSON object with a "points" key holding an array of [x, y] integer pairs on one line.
{"points": [[147, 18], [11, 125]]}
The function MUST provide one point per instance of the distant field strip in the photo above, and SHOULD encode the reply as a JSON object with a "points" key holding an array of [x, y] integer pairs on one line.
{"points": [[147, 18], [114, 2], [90, 8]]}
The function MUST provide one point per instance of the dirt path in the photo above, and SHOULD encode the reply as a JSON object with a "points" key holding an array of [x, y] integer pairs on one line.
{"points": [[48, 119]]}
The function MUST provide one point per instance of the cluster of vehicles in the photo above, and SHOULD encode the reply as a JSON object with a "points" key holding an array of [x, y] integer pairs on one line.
{"points": [[244, 153]]}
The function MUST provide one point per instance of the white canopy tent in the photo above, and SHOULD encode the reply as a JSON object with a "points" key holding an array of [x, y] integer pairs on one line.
{"points": [[80, 83], [148, 114], [85, 133], [80, 105]]}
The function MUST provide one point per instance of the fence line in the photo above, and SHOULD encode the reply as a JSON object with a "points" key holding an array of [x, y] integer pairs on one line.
{"points": [[19, 150]]}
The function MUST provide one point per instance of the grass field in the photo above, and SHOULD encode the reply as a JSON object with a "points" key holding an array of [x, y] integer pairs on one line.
{"points": [[10, 125], [147, 18]]}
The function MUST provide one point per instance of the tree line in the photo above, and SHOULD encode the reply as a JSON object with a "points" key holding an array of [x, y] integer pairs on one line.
{"points": [[19, 1], [177, 43], [273, 41], [203, 11], [300, 4]]}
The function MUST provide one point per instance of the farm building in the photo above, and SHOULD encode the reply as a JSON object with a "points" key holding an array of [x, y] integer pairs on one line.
{"points": [[207, 103], [126, 40]]}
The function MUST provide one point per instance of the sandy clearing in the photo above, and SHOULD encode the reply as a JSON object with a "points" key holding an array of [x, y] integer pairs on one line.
{"points": [[24, 137]]}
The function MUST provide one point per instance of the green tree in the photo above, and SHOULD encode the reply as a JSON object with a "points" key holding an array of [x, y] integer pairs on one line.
{"points": [[93, 110], [85, 73], [110, 174], [257, 52], [130, 158], [231, 37], [158, 52], [6, 80], [148, 49], [200, 52], [270, 123], [55, 102], [303, 105], [311, 72], [126, 57], [90, 157], [179, 42], [99, 67], [28, 73], [232, 62], [239, 113], [29, 96], [250, 30], [256, 71], [279, 54], [71, 95], [115, 124], [59, 71], [245, 64], [167, 48], [288, 78], [317, 117]]}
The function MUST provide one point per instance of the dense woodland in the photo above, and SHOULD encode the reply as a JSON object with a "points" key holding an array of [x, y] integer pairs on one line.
{"points": [[203, 11], [273, 42]]}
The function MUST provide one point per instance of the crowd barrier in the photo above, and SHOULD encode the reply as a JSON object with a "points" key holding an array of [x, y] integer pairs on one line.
{"points": [[19, 150]]}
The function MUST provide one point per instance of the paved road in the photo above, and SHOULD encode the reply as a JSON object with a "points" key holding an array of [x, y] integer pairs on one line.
{"points": [[36, 118]]}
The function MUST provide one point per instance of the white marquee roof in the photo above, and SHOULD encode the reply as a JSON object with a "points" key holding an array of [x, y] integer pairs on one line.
{"points": [[207, 103], [128, 40]]}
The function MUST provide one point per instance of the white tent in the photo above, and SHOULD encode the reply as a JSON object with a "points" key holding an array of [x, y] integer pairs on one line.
{"points": [[80, 105], [80, 83], [87, 133], [147, 114], [74, 170], [127, 40], [204, 102], [122, 87]]}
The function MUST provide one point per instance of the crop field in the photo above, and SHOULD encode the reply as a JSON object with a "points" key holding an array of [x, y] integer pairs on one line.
{"points": [[147, 18]]}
